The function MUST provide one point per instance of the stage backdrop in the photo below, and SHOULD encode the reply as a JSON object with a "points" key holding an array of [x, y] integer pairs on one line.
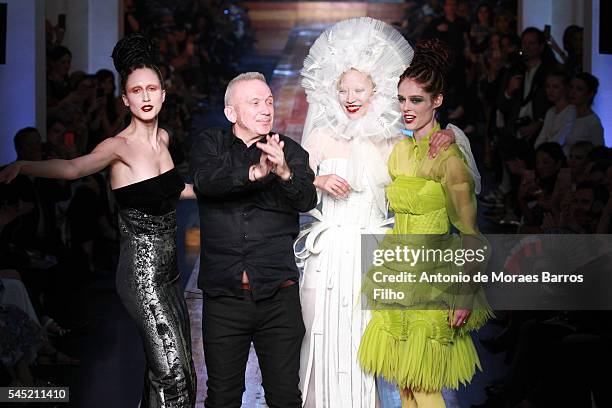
{"points": [[274, 21]]}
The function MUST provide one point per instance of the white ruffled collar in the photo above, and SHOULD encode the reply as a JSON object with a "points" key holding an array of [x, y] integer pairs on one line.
{"points": [[367, 45]]}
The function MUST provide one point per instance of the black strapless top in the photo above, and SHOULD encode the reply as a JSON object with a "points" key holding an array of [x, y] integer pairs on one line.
{"points": [[156, 196]]}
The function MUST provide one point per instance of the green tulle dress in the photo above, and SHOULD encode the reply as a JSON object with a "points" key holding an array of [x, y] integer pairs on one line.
{"points": [[417, 349]]}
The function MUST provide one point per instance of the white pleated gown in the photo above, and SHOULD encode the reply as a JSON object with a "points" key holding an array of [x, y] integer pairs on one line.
{"points": [[331, 298]]}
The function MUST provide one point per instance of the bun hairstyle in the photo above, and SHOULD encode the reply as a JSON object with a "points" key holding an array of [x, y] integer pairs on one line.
{"points": [[430, 66], [134, 52], [591, 82]]}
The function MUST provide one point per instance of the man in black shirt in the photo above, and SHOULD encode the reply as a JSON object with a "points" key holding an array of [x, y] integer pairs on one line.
{"points": [[251, 186]]}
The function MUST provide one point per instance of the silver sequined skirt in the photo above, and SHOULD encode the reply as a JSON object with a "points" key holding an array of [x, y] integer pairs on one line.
{"points": [[148, 283]]}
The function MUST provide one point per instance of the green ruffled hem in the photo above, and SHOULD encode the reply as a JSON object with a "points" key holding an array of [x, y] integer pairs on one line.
{"points": [[417, 361]]}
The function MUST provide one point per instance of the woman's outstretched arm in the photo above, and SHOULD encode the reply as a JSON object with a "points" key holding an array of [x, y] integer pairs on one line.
{"points": [[103, 155]]}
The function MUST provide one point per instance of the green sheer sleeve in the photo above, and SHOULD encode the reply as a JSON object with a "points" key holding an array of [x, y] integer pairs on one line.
{"points": [[393, 161], [458, 186]]}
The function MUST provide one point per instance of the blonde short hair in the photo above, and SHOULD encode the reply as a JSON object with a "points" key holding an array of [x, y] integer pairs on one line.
{"points": [[247, 76]]}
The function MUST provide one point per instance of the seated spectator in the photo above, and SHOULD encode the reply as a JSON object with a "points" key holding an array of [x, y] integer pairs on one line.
{"points": [[78, 124], [58, 86], [83, 93], [60, 143], [536, 189], [75, 77], [598, 172], [504, 22], [28, 144], [108, 112], [577, 161], [559, 119], [481, 30], [582, 210], [588, 127]]}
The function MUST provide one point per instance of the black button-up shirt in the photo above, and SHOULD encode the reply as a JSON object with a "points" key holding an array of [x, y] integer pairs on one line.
{"points": [[244, 225]]}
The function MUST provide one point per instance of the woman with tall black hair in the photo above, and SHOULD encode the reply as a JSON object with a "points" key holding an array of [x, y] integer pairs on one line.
{"points": [[147, 188]]}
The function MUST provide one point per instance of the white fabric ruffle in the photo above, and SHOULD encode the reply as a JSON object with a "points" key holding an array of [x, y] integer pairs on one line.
{"points": [[369, 46]]}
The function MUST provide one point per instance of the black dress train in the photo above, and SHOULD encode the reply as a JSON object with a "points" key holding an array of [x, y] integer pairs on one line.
{"points": [[148, 283]]}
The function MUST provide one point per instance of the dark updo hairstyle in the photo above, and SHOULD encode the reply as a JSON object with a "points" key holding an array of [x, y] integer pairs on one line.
{"points": [[134, 52], [430, 66], [591, 82]]}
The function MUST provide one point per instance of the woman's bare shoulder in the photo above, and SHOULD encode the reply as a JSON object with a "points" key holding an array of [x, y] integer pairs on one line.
{"points": [[164, 136]]}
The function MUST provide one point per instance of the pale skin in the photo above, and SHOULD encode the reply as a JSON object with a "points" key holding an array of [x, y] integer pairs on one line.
{"points": [[580, 96], [419, 111], [137, 153], [355, 90]]}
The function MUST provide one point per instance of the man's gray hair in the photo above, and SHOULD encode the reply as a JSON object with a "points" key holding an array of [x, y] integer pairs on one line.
{"points": [[247, 76]]}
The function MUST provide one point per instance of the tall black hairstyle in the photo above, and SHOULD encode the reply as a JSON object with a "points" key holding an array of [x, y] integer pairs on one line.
{"points": [[134, 52]]}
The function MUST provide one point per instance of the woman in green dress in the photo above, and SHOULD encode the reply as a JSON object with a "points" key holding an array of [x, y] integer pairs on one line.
{"points": [[424, 351]]}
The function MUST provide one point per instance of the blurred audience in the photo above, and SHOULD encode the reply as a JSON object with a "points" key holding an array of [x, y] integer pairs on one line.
{"points": [[59, 60]]}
